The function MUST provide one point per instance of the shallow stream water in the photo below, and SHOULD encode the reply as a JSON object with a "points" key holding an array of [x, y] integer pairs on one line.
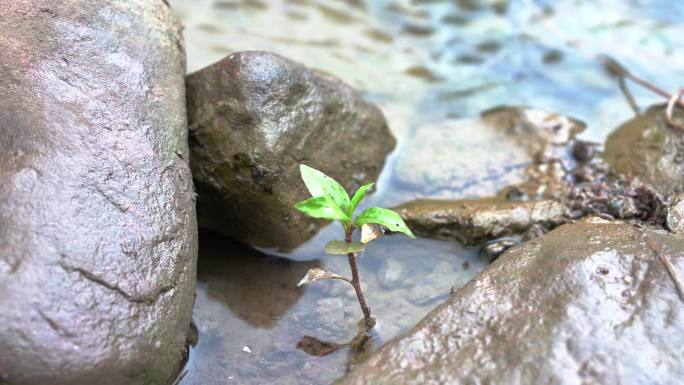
{"points": [[430, 65]]}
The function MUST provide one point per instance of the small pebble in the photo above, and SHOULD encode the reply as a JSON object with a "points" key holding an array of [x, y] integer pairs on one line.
{"points": [[582, 151], [492, 251], [246, 349], [391, 274]]}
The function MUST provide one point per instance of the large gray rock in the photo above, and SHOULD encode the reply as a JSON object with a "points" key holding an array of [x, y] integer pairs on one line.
{"points": [[254, 117], [97, 225], [588, 303], [648, 148]]}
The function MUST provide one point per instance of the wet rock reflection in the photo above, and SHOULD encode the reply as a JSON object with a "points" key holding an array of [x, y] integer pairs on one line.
{"points": [[358, 348], [256, 287], [252, 319]]}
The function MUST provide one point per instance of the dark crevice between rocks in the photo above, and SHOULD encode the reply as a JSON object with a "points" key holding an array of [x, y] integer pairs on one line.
{"points": [[190, 342], [613, 196], [148, 299]]}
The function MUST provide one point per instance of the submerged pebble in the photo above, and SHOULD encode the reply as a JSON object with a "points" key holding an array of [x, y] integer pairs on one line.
{"points": [[392, 274], [434, 286]]}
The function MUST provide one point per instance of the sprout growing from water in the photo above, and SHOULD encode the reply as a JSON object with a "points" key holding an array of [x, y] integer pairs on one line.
{"points": [[330, 201]]}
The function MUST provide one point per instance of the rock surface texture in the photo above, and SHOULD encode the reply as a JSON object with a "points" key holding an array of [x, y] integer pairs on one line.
{"points": [[254, 117], [472, 222], [588, 303], [648, 148], [97, 222]]}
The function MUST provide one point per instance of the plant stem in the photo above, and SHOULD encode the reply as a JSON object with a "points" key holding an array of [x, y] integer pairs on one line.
{"points": [[369, 320]]}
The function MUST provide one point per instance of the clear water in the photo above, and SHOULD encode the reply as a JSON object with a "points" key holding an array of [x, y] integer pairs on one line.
{"points": [[430, 65]]}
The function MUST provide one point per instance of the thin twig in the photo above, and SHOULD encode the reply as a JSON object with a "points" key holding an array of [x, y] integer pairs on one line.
{"points": [[665, 260], [622, 73], [673, 273], [670, 107], [628, 95], [618, 69]]}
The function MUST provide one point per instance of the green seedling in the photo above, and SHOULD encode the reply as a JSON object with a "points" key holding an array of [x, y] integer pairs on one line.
{"points": [[330, 201]]}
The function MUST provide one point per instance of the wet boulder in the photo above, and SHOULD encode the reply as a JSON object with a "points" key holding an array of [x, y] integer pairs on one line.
{"points": [[478, 157], [589, 302], [475, 221], [648, 148], [97, 221], [392, 273], [254, 117]]}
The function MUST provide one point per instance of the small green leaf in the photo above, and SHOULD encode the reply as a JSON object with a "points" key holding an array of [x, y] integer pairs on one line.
{"points": [[358, 197], [384, 217], [321, 207], [320, 185], [340, 247]]}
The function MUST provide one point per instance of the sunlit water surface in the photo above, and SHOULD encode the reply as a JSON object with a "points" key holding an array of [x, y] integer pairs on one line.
{"points": [[428, 64]]}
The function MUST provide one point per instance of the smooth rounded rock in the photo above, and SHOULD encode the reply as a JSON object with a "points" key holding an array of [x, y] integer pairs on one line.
{"points": [[97, 221], [254, 117], [588, 303], [649, 148]]}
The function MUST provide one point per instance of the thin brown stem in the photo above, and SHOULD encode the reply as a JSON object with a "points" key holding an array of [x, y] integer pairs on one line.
{"points": [[665, 260], [670, 109], [619, 70], [369, 320], [628, 95]]}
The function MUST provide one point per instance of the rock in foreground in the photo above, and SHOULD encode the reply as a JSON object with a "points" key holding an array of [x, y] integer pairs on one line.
{"points": [[648, 148], [588, 303], [97, 223], [254, 117]]}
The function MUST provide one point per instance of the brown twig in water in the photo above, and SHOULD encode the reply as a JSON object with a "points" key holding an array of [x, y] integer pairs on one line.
{"points": [[665, 260]]}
